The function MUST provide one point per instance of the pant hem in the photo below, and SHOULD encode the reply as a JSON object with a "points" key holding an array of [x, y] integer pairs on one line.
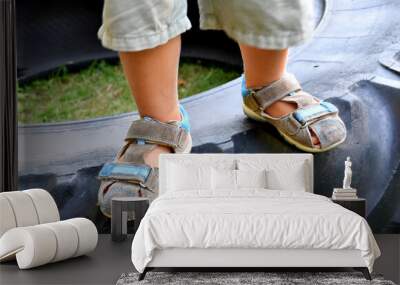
{"points": [[281, 41], [137, 43]]}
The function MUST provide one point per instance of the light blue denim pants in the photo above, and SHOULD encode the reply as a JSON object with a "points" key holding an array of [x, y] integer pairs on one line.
{"points": [[133, 25]]}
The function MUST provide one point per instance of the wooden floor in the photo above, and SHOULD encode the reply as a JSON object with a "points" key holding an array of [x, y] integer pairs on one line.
{"points": [[103, 266]]}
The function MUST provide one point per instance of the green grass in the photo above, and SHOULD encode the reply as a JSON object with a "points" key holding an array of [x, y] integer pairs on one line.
{"points": [[101, 90]]}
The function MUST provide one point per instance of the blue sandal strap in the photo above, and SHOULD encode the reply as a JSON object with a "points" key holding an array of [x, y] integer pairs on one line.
{"points": [[125, 172], [303, 116]]}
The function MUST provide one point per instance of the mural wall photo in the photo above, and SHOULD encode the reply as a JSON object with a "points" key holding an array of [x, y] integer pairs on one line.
{"points": [[75, 106]]}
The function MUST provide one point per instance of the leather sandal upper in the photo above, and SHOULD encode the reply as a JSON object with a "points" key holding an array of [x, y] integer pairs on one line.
{"points": [[128, 174], [311, 114], [142, 137], [156, 132]]}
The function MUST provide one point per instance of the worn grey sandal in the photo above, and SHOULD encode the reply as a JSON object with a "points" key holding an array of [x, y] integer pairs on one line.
{"points": [[311, 114], [129, 175]]}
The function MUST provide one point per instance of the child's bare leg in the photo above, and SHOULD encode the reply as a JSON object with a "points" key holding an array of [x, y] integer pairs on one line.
{"points": [[153, 78], [261, 68]]}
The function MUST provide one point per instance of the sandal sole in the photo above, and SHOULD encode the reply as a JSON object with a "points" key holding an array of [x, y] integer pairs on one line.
{"points": [[254, 116], [188, 148]]}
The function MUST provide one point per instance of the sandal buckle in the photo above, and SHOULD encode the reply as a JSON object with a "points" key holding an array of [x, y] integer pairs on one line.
{"points": [[304, 116], [122, 171], [299, 119]]}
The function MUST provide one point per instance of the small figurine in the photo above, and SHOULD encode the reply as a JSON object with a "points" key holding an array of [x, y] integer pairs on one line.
{"points": [[347, 174], [347, 192]]}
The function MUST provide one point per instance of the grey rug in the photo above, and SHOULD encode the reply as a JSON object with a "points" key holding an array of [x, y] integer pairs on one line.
{"points": [[232, 278]]}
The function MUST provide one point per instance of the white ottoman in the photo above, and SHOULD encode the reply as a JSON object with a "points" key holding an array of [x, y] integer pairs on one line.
{"points": [[31, 232]]}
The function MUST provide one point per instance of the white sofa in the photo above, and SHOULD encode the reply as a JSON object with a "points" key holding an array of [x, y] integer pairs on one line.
{"points": [[247, 210], [31, 231]]}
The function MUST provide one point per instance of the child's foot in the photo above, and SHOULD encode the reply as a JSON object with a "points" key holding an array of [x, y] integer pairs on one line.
{"points": [[134, 171], [281, 108], [303, 120], [151, 157]]}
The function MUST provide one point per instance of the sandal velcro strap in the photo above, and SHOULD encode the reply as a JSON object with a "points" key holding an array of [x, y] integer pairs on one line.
{"points": [[126, 172], [306, 115], [157, 132], [276, 91]]}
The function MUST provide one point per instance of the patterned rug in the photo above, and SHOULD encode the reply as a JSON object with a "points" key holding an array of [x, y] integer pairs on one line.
{"points": [[243, 278]]}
